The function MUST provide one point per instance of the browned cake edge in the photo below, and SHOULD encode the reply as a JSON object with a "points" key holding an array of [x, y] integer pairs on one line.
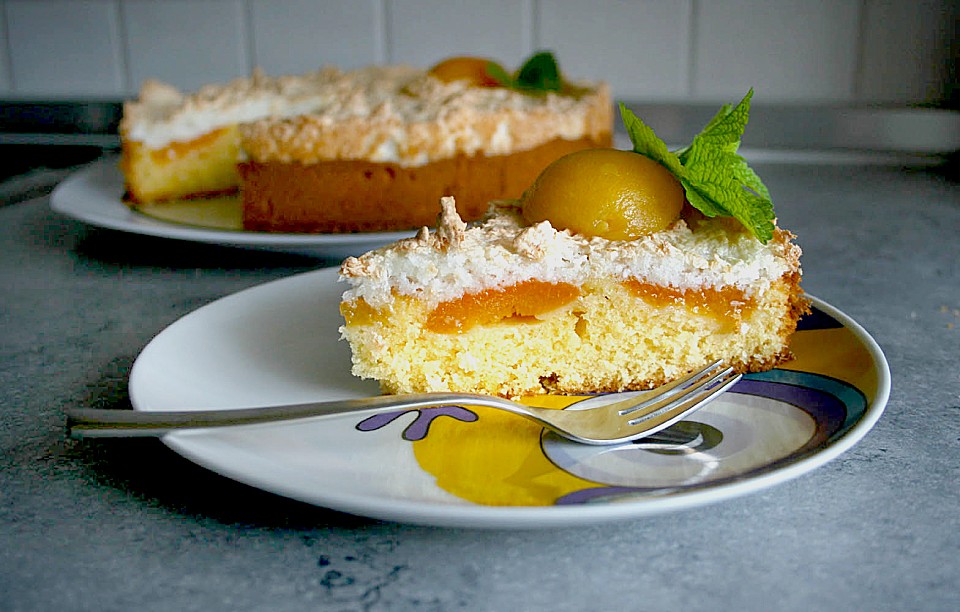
{"points": [[361, 196]]}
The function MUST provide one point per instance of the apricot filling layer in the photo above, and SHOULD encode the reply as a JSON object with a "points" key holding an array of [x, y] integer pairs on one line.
{"points": [[358, 312], [531, 299], [523, 302], [179, 149], [728, 304]]}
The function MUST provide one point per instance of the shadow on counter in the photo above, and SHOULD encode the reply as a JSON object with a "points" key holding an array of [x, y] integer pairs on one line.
{"points": [[147, 470]]}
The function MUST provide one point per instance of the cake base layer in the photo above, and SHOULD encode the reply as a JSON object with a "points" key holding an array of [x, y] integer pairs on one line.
{"points": [[359, 196], [608, 338], [203, 167]]}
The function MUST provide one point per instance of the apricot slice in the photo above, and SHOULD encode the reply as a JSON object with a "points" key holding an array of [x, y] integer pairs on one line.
{"points": [[466, 68], [613, 194], [728, 305], [523, 301]]}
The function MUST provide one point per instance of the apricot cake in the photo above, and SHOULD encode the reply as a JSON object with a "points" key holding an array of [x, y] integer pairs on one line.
{"points": [[602, 277], [367, 150]]}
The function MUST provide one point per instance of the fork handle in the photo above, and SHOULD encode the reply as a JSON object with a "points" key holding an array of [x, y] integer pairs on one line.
{"points": [[100, 423]]}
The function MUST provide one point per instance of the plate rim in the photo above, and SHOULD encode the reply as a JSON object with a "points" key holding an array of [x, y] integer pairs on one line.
{"points": [[480, 516], [93, 195]]}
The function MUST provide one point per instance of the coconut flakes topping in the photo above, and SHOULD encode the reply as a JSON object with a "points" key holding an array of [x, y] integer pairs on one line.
{"points": [[503, 250]]}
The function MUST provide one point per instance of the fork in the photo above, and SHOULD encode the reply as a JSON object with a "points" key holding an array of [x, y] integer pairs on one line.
{"points": [[605, 419]]}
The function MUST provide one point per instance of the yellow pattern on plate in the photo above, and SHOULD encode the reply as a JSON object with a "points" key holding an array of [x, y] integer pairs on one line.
{"points": [[836, 353], [496, 461]]}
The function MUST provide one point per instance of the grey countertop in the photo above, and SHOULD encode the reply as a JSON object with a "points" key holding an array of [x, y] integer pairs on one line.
{"points": [[128, 524]]}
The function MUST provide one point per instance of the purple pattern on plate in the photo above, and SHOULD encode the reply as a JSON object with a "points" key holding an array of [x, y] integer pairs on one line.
{"points": [[828, 410], [817, 319], [830, 402], [421, 425]]}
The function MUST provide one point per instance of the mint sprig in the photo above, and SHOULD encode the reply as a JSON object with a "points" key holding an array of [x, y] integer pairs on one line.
{"points": [[716, 179], [539, 73]]}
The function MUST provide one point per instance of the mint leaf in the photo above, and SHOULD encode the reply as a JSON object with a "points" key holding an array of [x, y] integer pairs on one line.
{"points": [[726, 127], [716, 179], [645, 142], [749, 178], [538, 74]]}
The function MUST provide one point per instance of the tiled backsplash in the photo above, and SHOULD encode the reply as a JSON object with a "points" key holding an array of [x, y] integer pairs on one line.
{"points": [[790, 51]]}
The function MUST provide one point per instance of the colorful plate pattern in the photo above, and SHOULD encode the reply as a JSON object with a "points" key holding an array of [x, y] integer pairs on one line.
{"points": [[475, 467]]}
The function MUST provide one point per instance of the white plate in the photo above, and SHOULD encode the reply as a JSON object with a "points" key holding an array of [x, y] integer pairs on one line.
{"points": [[279, 343], [93, 195]]}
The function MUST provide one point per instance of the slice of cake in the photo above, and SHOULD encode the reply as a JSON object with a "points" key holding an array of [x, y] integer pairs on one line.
{"points": [[186, 146], [512, 309], [366, 150], [603, 277]]}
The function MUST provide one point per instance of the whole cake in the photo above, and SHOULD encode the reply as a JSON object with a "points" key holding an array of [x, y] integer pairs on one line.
{"points": [[366, 150], [611, 300]]}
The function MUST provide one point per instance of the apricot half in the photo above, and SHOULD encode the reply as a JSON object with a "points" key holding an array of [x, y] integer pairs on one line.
{"points": [[465, 68], [613, 194]]}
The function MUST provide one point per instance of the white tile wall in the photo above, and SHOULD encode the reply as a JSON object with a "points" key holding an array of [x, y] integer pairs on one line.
{"points": [[186, 42], [641, 47], [804, 51], [422, 32], [787, 50], [63, 48], [297, 36]]}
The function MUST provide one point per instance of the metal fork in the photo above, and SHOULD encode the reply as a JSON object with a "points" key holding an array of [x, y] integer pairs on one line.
{"points": [[604, 419]]}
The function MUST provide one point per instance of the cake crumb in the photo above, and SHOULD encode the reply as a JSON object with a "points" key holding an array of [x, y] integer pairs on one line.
{"points": [[409, 245], [532, 241], [353, 267], [450, 227]]}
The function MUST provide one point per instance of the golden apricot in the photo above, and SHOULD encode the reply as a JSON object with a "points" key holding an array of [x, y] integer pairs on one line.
{"points": [[618, 195], [466, 68]]}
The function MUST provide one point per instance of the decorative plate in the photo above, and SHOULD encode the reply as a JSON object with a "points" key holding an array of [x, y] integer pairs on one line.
{"points": [[470, 466]]}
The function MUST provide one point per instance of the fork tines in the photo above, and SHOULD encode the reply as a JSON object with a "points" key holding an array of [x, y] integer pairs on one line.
{"points": [[684, 394]]}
